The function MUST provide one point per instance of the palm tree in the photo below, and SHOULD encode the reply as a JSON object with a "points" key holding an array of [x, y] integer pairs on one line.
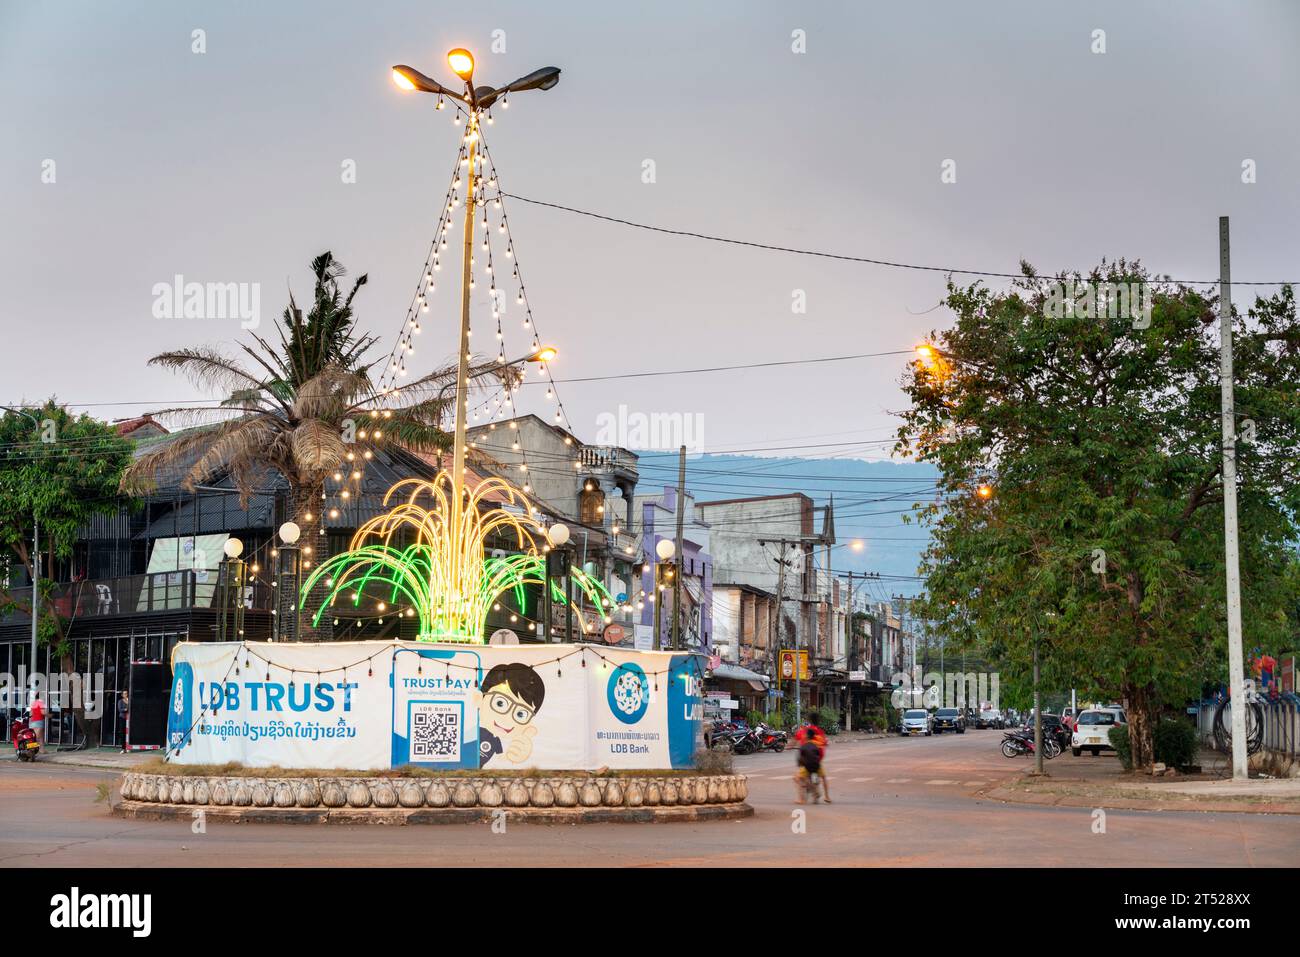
{"points": [[301, 410]]}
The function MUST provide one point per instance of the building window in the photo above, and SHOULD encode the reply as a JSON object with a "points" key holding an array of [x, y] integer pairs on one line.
{"points": [[591, 506]]}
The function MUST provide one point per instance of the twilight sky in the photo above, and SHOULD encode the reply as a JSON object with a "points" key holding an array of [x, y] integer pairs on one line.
{"points": [[225, 166]]}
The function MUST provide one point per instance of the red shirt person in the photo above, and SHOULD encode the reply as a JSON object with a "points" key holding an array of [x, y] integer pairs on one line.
{"points": [[811, 732]]}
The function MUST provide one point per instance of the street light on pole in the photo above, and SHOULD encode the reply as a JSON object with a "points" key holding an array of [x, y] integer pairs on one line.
{"points": [[558, 536], [664, 552], [36, 556], [287, 618], [476, 100]]}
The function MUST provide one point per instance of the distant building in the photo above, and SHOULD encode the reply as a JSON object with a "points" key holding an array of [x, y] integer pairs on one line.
{"points": [[657, 521], [590, 488]]}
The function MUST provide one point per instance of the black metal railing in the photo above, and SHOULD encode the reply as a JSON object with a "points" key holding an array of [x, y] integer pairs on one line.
{"points": [[134, 595]]}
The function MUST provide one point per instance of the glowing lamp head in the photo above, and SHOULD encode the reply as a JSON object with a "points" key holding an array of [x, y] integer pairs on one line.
{"points": [[984, 491], [544, 354], [461, 62], [289, 532], [234, 548], [665, 550], [558, 534], [402, 81]]}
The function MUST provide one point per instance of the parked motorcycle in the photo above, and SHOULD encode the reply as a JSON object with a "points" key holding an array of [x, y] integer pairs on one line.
{"points": [[26, 745], [730, 737], [770, 739], [746, 741], [1016, 743]]}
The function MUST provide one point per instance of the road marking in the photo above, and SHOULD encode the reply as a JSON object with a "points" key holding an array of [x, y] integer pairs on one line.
{"points": [[941, 781], [970, 784], [898, 780], [859, 780]]}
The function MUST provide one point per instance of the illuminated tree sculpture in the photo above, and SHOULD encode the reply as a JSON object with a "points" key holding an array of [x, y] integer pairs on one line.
{"points": [[429, 554]]}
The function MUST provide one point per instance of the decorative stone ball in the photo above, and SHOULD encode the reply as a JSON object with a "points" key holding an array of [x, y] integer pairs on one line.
{"points": [[437, 795], [653, 793], [613, 794], [177, 792], [464, 796], [670, 793], [383, 795], [543, 795], [262, 795], [567, 795], [489, 795], [283, 795], [332, 794], [410, 794], [635, 794], [307, 794], [590, 795], [358, 794], [517, 795], [202, 791]]}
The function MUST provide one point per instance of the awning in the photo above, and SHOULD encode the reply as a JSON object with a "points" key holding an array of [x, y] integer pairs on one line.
{"points": [[736, 673]]}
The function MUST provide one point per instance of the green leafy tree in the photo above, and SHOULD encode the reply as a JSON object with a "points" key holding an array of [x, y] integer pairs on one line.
{"points": [[1080, 504], [305, 408], [61, 471]]}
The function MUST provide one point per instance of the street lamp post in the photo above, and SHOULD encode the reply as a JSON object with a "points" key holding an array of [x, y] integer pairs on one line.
{"points": [[233, 568], [664, 552], [290, 570], [477, 100], [36, 558], [557, 562]]}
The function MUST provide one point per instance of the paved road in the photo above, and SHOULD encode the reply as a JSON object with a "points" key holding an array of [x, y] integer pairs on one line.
{"points": [[896, 802]]}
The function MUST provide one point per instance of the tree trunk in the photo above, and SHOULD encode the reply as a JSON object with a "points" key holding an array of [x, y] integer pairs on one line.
{"points": [[1141, 724], [313, 548]]}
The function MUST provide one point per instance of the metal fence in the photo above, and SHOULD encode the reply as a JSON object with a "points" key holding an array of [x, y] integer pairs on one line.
{"points": [[135, 594], [1273, 726]]}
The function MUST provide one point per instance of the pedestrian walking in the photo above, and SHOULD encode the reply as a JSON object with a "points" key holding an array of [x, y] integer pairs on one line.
{"points": [[123, 709]]}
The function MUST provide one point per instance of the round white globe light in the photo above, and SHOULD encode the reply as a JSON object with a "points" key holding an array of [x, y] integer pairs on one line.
{"points": [[234, 548], [289, 532], [665, 549], [558, 534]]}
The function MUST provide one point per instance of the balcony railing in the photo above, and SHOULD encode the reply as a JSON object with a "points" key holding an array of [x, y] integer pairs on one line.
{"points": [[606, 457], [135, 595]]}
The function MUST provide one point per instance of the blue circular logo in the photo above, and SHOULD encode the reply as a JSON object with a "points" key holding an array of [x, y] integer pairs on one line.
{"points": [[628, 693]]}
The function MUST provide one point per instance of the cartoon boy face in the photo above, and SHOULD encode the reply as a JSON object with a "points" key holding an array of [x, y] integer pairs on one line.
{"points": [[508, 700]]}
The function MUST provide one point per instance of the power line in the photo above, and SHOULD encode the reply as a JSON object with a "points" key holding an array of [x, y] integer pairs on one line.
{"points": [[821, 254]]}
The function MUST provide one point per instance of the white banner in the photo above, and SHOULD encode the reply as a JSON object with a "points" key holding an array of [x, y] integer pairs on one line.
{"points": [[371, 705]]}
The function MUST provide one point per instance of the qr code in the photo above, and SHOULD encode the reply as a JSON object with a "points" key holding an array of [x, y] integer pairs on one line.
{"points": [[435, 732]]}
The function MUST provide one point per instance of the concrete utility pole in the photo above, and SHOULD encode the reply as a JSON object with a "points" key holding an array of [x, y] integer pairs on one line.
{"points": [[36, 564], [1038, 717], [780, 594], [677, 579], [1236, 668]]}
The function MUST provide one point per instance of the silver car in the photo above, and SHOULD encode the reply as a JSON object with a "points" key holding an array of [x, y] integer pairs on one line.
{"points": [[917, 721]]}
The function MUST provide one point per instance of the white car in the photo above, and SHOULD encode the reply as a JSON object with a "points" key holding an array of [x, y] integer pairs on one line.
{"points": [[916, 721], [1092, 731]]}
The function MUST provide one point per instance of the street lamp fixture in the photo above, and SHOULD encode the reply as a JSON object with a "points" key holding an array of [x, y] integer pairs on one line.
{"points": [[461, 62], [985, 491]]}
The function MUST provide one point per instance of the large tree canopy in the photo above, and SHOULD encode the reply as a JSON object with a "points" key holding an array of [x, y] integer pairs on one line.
{"points": [[60, 470], [1096, 428]]}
